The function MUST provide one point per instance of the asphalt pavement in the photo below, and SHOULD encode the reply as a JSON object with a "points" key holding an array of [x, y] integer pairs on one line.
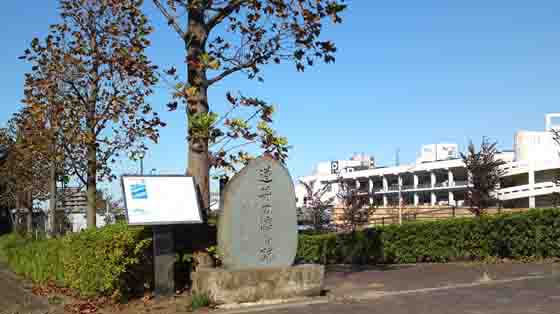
{"points": [[15, 298], [529, 296]]}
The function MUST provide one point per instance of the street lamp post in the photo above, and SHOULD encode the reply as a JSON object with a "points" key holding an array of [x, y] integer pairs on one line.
{"points": [[141, 156], [400, 203], [400, 182]]}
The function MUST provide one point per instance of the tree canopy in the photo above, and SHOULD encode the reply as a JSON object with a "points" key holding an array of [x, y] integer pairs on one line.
{"points": [[484, 175], [89, 82], [224, 37]]}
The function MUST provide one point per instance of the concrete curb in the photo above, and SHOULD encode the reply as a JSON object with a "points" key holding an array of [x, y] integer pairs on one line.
{"points": [[286, 304]]}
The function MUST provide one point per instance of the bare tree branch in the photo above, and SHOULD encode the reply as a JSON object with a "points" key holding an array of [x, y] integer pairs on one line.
{"points": [[224, 12], [229, 71], [171, 20]]}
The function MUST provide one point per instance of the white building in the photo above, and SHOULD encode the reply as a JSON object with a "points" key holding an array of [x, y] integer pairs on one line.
{"points": [[439, 176], [79, 220], [75, 205]]}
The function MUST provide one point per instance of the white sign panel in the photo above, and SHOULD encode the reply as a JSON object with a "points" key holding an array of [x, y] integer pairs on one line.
{"points": [[447, 151], [428, 153], [161, 200]]}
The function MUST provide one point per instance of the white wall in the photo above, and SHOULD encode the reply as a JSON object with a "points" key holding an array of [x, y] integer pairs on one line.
{"points": [[300, 194], [79, 221], [535, 146]]}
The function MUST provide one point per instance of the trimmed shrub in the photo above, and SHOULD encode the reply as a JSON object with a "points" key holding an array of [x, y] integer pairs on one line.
{"points": [[96, 261], [531, 234], [359, 248]]}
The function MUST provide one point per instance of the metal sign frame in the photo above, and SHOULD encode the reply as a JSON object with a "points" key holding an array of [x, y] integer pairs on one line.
{"points": [[160, 223]]}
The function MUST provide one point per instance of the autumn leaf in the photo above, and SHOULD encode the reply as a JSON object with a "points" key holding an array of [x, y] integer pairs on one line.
{"points": [[191, 91]]}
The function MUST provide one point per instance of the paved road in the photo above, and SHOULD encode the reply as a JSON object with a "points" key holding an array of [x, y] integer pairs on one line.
{"points": [[15, 299], [533, 296], [340, 280]]}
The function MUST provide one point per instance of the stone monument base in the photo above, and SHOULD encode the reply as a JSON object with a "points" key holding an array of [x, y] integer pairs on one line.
{"points": [[224, 286]]}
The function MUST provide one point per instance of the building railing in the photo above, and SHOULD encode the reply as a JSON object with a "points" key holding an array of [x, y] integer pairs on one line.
{"points": [[424, 186], [515, 165], [527, 188], [394, 188]]}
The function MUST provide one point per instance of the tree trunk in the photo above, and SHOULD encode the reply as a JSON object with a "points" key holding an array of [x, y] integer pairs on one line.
{"points": [[91, 144], [91, 186], [199, 168], [198, 161], [51, 218], [51, 223], [29, 221], [91, 176]]}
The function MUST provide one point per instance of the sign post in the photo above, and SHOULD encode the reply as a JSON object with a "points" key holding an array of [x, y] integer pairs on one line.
{"points": [[161, 201], [164, 260]]}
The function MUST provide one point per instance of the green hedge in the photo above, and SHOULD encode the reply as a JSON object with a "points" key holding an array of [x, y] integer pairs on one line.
{"points": [[97, 261], [532, 234]]}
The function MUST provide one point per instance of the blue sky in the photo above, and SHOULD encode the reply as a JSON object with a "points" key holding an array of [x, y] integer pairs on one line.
{"points": [[407, 73]]}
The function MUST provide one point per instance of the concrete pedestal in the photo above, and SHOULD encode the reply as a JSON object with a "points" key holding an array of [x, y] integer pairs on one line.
{"points": [[224, 286]]}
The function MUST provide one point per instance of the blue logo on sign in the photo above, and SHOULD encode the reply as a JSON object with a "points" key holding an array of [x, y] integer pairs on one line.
{"points": [[139, 191]]}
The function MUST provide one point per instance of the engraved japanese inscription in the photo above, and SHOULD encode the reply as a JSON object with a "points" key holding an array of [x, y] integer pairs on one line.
{"points": [[266, 253]]}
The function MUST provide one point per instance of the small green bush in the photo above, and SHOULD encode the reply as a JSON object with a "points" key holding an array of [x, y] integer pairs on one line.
{"points": [[199, 301], [94, 261], [532, 234], [98, 258]]}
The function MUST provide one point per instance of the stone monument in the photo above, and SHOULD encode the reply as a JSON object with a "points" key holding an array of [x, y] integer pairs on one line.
{"points": [[258, 225], [257, 240]]}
